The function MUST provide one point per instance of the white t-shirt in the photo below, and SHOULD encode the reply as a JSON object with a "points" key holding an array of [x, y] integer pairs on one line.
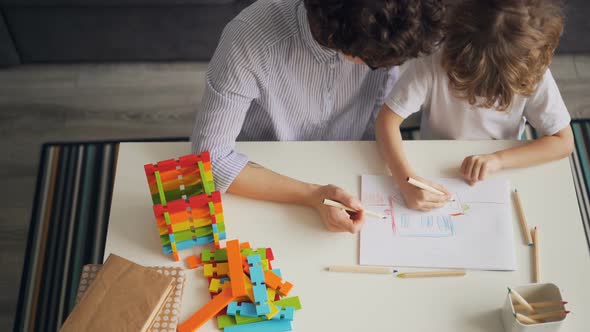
{"points": [[425, 84]]}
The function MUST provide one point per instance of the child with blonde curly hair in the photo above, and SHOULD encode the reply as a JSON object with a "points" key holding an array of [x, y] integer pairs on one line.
{"points": [[488, 79]]}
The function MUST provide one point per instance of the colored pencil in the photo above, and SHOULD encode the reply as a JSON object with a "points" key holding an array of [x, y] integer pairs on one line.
{"points": [[516, 296], [432, 274], [539, 305], [537, 275], [332, 203], [426, 187], [549, 315], [525, 319], [363, 269], [522, 219]]}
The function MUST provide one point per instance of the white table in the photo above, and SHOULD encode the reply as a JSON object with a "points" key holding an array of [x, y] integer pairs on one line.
{"points": [[303, 247]]}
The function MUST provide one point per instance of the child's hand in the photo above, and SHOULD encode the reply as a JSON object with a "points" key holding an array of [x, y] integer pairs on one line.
{"points": [[335, 219], [478, 167], [420, 199]]}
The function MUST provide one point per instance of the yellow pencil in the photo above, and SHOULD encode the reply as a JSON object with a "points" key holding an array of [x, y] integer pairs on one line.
{"points": [[525, 319], [548, 315], [521, 217], [516, 296], [432, 274], [332, 203], [536, 254]]}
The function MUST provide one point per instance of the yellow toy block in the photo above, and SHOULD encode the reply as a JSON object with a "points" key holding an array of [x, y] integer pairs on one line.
{"points": [[220, 269]]}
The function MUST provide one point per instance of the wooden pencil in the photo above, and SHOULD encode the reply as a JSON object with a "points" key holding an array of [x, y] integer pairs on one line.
{"points": [[522, 219], [518, 298], [537, 274], [539, 305], [432, 274], [363, 269], [424, 186], [549, 315], [525, 319], [332, 203]]}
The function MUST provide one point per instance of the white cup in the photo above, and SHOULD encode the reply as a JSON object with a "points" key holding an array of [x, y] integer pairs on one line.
{"points": [[533, 293]]}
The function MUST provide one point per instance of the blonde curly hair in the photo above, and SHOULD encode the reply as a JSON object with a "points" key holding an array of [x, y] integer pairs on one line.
{"points": [[497, 49]]}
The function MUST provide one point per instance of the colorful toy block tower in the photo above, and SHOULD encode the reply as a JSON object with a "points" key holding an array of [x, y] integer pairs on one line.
{"points": [[187, 208]]}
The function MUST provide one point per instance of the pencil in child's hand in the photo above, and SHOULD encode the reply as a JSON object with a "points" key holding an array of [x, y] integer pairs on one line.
{"points": [[426, 187], [332, 203], [516, 296]]}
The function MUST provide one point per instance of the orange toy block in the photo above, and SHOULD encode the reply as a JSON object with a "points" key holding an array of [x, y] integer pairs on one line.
{"points": [[245, 245], [234, 260], [207, 312], [275, 282], [193, 261]]}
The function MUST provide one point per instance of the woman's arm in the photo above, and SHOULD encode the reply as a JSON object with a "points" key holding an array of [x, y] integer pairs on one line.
{"points": [[258, 182]]}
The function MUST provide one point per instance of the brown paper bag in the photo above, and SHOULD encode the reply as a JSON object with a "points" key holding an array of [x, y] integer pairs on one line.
{"points": [[167, 318], [124, 297]]}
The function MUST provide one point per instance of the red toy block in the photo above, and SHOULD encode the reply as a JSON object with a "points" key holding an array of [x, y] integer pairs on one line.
{"points": [[234, 259], [269, 254], [193, 261], [207, 312]]}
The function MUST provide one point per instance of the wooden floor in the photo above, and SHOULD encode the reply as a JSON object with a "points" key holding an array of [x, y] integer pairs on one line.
{"points": [[92, 102]]}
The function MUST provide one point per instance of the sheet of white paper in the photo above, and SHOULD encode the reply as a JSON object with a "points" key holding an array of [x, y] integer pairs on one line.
{"points": [[473, 232]]}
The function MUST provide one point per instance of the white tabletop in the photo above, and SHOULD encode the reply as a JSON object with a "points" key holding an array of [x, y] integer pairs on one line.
{"points": [[303, 247]]}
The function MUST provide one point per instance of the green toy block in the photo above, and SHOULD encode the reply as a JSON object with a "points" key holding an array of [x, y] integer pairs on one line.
{"points": [[175, 194], [289, 302], [224, 321], [219, 255], [160, 187], [249, 252]]}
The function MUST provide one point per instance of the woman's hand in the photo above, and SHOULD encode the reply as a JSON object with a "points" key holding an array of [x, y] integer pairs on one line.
{"points": [[336, 219]]}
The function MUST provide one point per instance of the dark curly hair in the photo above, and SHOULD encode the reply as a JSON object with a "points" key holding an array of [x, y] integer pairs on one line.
{"points": [[382, 33]]}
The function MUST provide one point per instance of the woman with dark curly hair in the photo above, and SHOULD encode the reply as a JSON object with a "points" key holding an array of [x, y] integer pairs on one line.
{"points": [[292, 70], [490, 77]]}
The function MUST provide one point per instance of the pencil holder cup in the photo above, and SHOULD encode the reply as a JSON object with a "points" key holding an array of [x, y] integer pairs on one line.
{"points": [[534, 293]]}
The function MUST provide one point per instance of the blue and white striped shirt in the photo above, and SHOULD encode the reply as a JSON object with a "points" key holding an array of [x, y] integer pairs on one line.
{"points": [[269, 80]]}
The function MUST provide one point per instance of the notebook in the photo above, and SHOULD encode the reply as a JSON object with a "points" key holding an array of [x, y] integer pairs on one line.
{"points": [[123, 297]]}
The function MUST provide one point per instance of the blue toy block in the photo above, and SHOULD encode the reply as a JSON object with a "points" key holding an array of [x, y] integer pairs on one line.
{"points": [[244, 309], [261, 298], [171, 237], [182, 245], [277, 272], [264, 326], [215, 228], [258, 285], [254, 260], [285, 313], [224, 279]]}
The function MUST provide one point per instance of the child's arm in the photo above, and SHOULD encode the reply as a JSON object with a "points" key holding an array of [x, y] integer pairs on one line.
{"points": [[542, 150], [389, 141]]}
